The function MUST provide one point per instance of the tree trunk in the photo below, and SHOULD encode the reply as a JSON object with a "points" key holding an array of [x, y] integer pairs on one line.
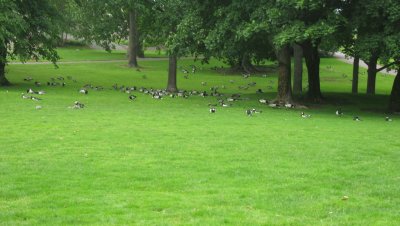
{"points": [[356, 67], [171, 87], [312, 58], [246, 64], [133, 40], [3, 57], [284, 79], [140, 47], [372, 64], [394, 104], [298, 69]]}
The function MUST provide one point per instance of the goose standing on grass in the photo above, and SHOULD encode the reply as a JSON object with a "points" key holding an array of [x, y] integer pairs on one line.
{"points": [[388, 119], [213, 110], [357, 119]]}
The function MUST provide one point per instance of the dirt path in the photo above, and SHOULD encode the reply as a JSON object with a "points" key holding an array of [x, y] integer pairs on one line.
{"points": [[91, 61], [349, 60]]}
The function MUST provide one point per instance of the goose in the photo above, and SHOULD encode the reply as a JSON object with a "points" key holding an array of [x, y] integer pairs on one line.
{"points": [[157, 96], [78, 105], [38, 107], [259, 91], [203, 94], [273, 105], [249, 112], [28, 79], [25, 96], [357, 119], [255, 111], [303, 115], [246, 75], [185, 71], [213, 110], [339, 112], [225, 105], [288, 105], [37, 84], [83, 91], [388, 119], [263, 101], [36, 98], [132, 97], [31, 91]]}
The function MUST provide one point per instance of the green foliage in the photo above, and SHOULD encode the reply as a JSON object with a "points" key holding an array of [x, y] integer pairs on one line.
{"points": [[29, 29]]}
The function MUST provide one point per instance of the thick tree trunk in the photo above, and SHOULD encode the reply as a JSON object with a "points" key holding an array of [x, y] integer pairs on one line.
{"points": [[171, 87], [284, 79], [394, 104], [133, 40], [3, 57], [356, 68], [312, 58], [372, 64], [298, 69]]}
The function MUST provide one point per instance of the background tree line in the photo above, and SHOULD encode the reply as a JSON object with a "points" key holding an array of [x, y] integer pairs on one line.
{"points": [[241, 33]]}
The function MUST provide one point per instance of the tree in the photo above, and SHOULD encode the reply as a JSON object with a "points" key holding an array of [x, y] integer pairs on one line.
{"points": [[182, 30], [298, 69], [284, 79], [29, 30], [108, 21]]}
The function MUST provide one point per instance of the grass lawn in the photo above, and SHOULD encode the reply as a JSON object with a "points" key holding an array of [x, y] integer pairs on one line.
{"points": [[171, 162]]}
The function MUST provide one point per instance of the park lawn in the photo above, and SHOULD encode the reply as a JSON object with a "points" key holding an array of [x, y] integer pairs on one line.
{"points": [[170, 162]]}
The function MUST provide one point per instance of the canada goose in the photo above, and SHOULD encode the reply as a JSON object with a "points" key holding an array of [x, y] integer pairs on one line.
{"points": [[36, 98], [357, 119], [263, 101], [303, 115], [213, 110], [259, 91], [339, 112], [132, 97], [388, 119], [249, 112], [84, 91], [78, 105], [28, 79], [289, 105]]}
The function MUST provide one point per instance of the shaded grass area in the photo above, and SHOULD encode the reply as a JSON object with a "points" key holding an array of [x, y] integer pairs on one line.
{"points": [[170, 162]]}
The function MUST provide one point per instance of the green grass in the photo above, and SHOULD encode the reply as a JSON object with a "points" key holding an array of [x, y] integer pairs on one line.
{"points": [[170, 162]]}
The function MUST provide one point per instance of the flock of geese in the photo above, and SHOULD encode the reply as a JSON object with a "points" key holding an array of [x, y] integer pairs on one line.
{"points": [[223, 100]]}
